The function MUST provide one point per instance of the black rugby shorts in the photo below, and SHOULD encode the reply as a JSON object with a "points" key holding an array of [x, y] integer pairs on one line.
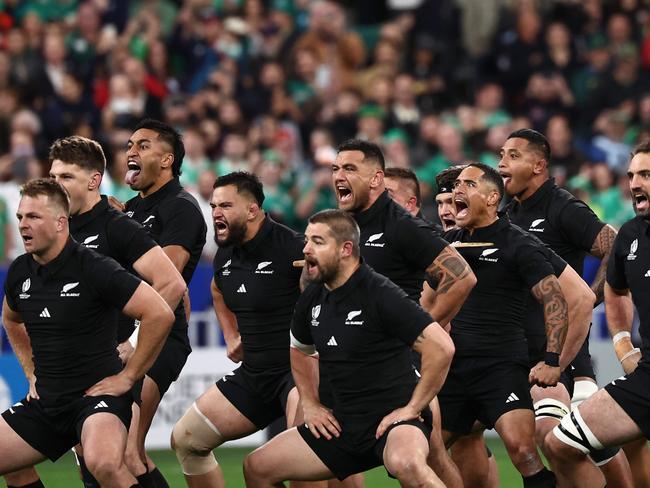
{"points": [[632, 393]]}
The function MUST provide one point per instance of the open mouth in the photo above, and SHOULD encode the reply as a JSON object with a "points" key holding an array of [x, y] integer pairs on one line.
{"points": [[27, 239], [133, 171], [447, 223], [220, 226], [461, 209], [641, 201], [311, 265], [507, 177], [344, 193]]}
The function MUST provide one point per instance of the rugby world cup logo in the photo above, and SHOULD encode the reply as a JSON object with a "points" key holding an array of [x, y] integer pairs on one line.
{"points": [[315, 312], [26, 284], [633, 247]]}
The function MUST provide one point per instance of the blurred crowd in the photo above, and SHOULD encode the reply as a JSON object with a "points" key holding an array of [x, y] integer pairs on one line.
{"points": [[272, 86]]}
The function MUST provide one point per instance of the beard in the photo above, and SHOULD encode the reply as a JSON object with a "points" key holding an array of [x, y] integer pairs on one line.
{"points": [[236, 234], [326, 272]]}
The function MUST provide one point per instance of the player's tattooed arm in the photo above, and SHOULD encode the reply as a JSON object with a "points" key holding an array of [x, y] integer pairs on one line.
{"points": [[455, 281], [556, 312], [601, 248]]}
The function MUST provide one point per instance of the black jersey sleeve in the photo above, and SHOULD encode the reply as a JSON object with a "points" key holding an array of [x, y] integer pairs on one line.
{"points": [[301, 313], [129, 239], [399, 316], [418, 242], [9, 286], [616, 277], [113, 284], [559, 264], [532, 260], [183, 225], [579, 224]]}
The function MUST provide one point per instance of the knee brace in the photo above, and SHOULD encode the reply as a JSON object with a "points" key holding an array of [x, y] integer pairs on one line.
{"points": [[576, 433], [193, 439], [603, 456], [582, 390], [550, 408]]}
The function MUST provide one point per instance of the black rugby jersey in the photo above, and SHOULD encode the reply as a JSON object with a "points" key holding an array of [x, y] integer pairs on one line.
{"points": [[629, 268], [173, 218], [111, 233], [561, 221], [398, 245], [490, 321], [260, 286], [363, 332], [66, 306]]}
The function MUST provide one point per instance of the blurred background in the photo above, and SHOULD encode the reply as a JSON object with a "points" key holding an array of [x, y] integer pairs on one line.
{"points": [[272, 86]]}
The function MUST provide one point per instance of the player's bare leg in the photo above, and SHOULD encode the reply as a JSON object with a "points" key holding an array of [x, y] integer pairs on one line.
{"points": [[608, 425], [23, 477], [268, 466], [295, 417], [469, 454], [211, 421], [438, 457], [105, 460], [15, 453], [639, 458]]}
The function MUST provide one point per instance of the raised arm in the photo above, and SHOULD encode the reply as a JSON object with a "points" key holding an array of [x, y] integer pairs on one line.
{"points": [[455, 281], [228, 324], [556, 318], [619, 311], [601, 248]]}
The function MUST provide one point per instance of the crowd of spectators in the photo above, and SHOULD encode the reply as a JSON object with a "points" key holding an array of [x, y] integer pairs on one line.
{"points": [[272, 86]]}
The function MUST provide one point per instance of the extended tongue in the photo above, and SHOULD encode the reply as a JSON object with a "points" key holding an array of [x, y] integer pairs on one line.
{"points": [[130, 174]]}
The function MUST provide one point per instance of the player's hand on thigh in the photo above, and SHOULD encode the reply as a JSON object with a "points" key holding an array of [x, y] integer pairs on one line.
{"points": [[115, 385], [397, 415], [125, 351], [33, 394], [320, 421], [544, 375], [630, 362], [234, 349]]}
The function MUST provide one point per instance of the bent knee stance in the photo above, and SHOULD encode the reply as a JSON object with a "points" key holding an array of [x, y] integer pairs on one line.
{"points": [[574, 432], [193, 439]]}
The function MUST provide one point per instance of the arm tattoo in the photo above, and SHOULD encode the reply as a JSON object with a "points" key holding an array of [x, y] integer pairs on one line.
{"points": [[448, 268], [556, 313], [601, 248]]}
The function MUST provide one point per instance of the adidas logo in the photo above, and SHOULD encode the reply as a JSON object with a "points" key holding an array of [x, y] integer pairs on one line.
{"points": [[332, 342], [101, 404], [512, 398], [45, 313], [647, 274], [11, 409], [241, 289]]}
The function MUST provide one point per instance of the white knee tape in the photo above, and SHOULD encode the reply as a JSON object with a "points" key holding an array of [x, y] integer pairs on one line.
{"points": [[193, 439], [582, 390], [576, 433], [550, 408]]}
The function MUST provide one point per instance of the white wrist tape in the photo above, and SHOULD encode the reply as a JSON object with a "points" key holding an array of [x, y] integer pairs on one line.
{"points": [[620, 335], [134, 337]]}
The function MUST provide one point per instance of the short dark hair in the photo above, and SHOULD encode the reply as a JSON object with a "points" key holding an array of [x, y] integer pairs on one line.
{"points": [[409, 176], [169, 135], [50, 188], [81, 151], [642, 147], [370, 150], [342, 225], [490, 175], [245, 182], [535, 139], [445, 179]]}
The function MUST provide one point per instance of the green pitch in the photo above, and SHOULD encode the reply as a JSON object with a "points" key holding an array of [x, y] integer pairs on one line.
{"points": [[63, 474]]}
